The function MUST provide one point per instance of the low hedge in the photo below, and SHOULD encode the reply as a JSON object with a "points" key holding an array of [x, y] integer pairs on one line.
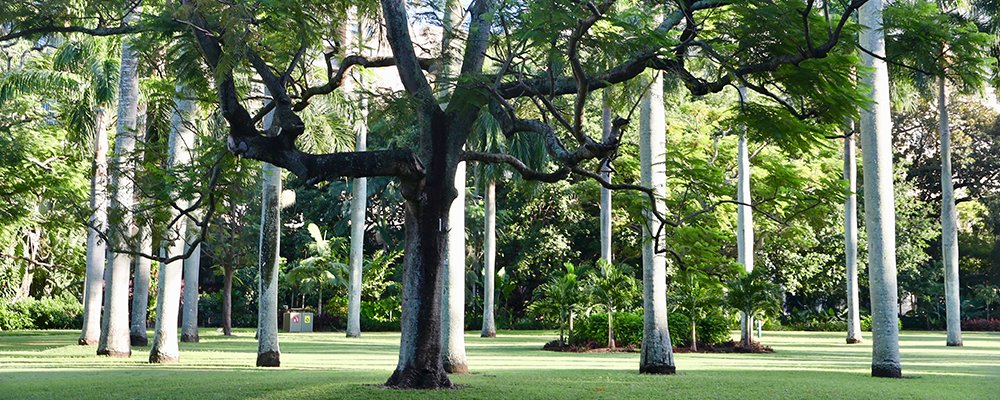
{"points": [[981, 325]]}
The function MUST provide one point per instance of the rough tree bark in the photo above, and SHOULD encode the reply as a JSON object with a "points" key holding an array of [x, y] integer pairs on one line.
{"points": [[96, 247], [165, 348], [949, 226], [880, 217], [490, 255], [657, 356], [114, 339], [851, 238], [744, 218]]}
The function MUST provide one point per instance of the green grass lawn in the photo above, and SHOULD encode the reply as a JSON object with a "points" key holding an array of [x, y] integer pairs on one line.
{"points": [[805, 365]]}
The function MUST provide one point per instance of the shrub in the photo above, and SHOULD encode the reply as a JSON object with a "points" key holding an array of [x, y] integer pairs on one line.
{"points": [[11, 319], [628, 329], [712, 329], [49, 313], [981, 324]]}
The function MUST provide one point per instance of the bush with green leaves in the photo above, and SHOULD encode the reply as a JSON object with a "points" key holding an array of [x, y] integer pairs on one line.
{"points": [[594, 329], [64, 312]]}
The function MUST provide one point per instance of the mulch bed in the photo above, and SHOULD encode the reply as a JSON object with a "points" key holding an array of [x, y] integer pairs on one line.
{"points": [[594, 347]]}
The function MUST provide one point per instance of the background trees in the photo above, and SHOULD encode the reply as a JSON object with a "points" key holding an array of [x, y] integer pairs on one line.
{"points": [[532, 67]]}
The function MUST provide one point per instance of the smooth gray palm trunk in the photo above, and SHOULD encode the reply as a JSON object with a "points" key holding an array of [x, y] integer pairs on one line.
{"points": [[490, 255], [657, 356], [744, 219], [606, 120], [140, 287], [192, 267], [165, 347], [268, 351], [880, 218], [453, 296], [359, 203], [851, 239], [114, 340], [93, 293], [949, 226]]}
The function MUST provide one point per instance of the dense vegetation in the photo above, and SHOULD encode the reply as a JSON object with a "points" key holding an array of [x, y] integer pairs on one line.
{"points": [[550, 96]]}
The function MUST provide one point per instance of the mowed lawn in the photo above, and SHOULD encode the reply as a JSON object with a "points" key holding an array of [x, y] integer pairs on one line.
{"points": [[805, 365]]}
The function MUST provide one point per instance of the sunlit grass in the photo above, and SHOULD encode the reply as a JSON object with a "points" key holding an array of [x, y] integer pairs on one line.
{"points": [[48, 364]]}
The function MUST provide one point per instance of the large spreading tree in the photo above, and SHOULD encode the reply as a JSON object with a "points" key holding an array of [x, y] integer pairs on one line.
{"points": [[532, 65]]}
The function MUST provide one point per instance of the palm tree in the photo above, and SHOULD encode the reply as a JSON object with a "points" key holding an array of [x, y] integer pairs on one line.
{"points": [[989, 295], [83, 71], [324, 269], [115, 340], [754, 296], [657, 355], [453, 294], [165, 348], [880, 217], [954, 53], [612, 288], [560, 296], [694, 295]]}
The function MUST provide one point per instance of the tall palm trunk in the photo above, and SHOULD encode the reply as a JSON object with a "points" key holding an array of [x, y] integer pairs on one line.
{"points": [[657, 355], [490, 253], [140, 276], [880, 218], [227, 300], [744, 217], [140, 288], [359, 206], [949, 226], [96, 247], [181, 139], [268, 351], [114, 339], [192, 267], [453, 298], [606, 120], [851, 238]]}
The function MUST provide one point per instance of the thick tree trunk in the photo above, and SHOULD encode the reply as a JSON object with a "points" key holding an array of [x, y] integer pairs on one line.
{"points": [[746, 333], [880, 217], [165, 348], [227, 300], [359, 205], [851, 239], [140, 288], [490, 255], [93, 293], [192, 267], [949, 226], [606, 120], [420, 362], [744, 214], [114, 339], [657, 355]]}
